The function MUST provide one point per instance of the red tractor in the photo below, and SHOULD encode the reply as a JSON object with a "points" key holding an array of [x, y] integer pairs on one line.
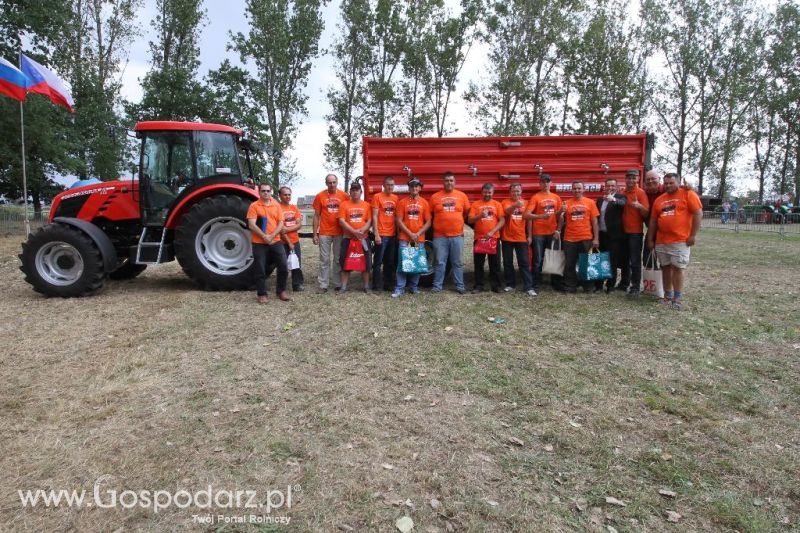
{"points": [[189, 204]]}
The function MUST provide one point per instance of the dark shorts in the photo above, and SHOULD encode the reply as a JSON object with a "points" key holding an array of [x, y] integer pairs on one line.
{"points": [[367, 252]]}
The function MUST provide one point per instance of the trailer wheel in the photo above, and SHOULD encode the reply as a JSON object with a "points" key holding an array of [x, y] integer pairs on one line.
{"points": [[128, 270], [60, 260], [212, 244]]}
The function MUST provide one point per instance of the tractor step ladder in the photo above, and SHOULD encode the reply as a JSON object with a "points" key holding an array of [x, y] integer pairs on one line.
{"points": [[151, 245]]}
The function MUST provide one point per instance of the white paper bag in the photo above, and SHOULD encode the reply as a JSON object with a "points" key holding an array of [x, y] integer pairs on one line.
{"points": [[554, 260], [292, 261], [652, 283]]}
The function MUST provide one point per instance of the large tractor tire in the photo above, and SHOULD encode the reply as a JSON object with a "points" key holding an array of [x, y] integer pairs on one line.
{"points": [[212, 244], [128, 270], [60, 260]]}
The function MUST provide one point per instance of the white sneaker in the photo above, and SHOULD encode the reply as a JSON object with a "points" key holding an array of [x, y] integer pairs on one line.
{"points": [[531, 292], [508, 289]]}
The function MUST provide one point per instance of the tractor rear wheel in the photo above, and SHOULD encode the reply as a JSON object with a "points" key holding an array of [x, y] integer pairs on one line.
{"points": [[212, 243], [60, 260], [128, 270]]}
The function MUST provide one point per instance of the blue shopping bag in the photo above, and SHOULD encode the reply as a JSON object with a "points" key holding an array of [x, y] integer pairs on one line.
{"points": [[594, 266], [413, 259]]}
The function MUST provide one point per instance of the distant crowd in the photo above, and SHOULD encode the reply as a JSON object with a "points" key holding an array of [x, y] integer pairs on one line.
{"points": [[384, 239]]}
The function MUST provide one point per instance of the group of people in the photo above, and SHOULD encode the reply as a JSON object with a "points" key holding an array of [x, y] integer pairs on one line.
{"points": [[638, 226]]}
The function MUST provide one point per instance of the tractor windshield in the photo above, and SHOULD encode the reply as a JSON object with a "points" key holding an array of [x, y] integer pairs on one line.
{"points": [[216, 154]]}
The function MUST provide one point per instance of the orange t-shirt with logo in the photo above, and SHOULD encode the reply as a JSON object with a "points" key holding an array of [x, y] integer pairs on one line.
{"points": [[414, 214], [579, 219], [514, 228], [386, 205], [267, 218], [356, 214], [492, 212], [545, 203], [674, 215], [291, 217], [328, 207], [632, 219], [448, 213]]}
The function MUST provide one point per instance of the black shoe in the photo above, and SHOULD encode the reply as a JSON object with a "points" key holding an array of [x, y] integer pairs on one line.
{"points": [[476, 290], [461, 291], [634, 293], [299, 288]]}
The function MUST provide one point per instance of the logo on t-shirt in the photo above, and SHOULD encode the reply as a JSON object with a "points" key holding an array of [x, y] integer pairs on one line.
{"points": [[356, 215], [449, 205], [669, 209], [413, 212], [333, 205], [388, 209], [578, 212], [516, 214], [548, 207], [487, 211]]}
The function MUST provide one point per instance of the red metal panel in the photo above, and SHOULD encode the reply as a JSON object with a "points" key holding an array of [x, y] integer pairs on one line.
{"points": [[166, 125], [502, 161]]}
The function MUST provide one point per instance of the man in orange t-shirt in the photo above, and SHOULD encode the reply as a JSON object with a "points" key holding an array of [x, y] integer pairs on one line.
{"points": [[674, 222], [265, 221], [634, 215], [355, 219], [327, 232], [488, 218], [292, 221], [581, 234], [515, 241], [413, 216], [450, 208], [384, 204], [542, 213]]}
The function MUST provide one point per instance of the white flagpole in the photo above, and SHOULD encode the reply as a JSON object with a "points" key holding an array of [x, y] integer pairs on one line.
{"points": [[22, 142], [24, 174]]}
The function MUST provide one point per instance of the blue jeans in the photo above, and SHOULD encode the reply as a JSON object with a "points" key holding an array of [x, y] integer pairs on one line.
{"points": [[521, 249], [452, 248], [384, 255], [402, 278]]}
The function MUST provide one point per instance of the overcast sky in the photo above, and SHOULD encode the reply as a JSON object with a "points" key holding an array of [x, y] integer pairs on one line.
{"points": [[224, 16]]}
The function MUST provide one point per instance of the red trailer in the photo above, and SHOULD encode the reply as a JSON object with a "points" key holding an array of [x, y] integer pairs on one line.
{"points": [[505, 160]]}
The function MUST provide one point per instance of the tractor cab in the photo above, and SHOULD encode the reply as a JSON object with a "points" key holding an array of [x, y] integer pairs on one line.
{"points": [[179, 157]]}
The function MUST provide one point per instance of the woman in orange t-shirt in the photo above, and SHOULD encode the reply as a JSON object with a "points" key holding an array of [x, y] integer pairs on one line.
{"points": [[581, 234]]}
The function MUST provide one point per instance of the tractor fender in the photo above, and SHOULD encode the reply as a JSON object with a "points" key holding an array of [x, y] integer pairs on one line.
{"points": [[204, 192], [98, 236]]}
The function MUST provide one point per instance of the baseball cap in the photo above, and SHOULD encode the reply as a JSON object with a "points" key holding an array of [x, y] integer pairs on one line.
{"points": [[632, 172], [414, 181], [545, 177]]}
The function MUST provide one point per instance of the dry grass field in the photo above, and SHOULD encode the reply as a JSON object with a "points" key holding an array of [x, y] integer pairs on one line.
{"points": [[570, 416]]}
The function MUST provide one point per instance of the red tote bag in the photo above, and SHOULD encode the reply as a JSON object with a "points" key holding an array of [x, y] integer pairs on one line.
{"points": [[488, 246], [355, 260]]}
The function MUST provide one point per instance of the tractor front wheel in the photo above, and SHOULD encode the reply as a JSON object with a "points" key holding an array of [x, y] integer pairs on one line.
{"points": [[60, 260], [212, 244]]}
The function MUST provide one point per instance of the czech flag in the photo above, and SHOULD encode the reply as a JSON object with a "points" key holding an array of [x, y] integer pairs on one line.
{"points": [[44, 81], [13, 82]]}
